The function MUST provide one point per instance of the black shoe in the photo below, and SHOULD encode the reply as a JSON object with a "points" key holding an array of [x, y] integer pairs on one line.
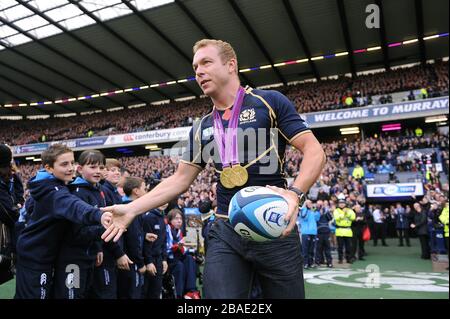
{"points": [[361, 258], [340, 262], [350, 261], [400, 245], [385, 245], [409, 245]]}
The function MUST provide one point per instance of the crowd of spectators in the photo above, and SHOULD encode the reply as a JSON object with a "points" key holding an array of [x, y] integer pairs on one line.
{"points": [[336, 177], [337, 182], [308, 97]]}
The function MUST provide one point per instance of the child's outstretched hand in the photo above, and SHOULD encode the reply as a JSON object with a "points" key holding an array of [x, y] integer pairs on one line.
{"points": [[121, 218], [106, 219]]}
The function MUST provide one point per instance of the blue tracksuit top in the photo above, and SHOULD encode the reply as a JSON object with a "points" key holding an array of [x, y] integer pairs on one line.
{"points": [[82, 243], [153, 222], [111, 250], [54, 208], [308, 221], [133, 239]]}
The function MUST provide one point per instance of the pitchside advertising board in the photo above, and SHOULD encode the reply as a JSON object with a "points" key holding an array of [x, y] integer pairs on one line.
{"points": [[394, 192], [130, 139], [376, 113]]}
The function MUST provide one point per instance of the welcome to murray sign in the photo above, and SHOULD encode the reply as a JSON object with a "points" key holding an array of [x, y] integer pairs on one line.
{"points": [[378, 113]]}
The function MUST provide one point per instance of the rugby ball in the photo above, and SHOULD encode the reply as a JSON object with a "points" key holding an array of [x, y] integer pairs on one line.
{"points": [[257, 213]]}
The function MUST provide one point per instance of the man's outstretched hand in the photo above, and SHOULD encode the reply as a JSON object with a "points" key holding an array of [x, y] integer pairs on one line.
{"points": [[121, 218]]}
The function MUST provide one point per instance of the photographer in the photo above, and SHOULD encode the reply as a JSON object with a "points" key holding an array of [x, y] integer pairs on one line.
{"points": [[309, 217], [8, 214], [323, 235]]}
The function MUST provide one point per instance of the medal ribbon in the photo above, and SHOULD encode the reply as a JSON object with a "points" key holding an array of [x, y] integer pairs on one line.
{"points": [[227, 139]]}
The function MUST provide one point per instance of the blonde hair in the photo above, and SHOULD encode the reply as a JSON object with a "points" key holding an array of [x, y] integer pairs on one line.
{"points": [[112, 162], [226, 51]]}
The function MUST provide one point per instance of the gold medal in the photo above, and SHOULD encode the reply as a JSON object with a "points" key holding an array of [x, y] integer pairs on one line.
{"points": [[240, 175], [226, 177]]}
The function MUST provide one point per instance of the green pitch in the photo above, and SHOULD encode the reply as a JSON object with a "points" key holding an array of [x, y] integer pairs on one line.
{"points": [[399, 274]]}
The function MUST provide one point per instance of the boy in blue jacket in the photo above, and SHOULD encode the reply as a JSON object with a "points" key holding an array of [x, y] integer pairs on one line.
{"points": [[155, 255], [308, 223], [81, 244], [131, 280], [111, 254], [54, 208]]}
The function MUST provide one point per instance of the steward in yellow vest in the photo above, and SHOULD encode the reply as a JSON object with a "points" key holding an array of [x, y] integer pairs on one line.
{"points": [[343, 217]]}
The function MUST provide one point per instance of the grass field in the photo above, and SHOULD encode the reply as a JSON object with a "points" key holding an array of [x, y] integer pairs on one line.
{"points": [[402, 275]]}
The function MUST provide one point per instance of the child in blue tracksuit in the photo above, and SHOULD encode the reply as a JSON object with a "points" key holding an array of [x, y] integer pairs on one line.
{"points": [[181, 265], [155, 255], [81, 244], [54, 208], [308, 224], [111, 254], [131, 280]]}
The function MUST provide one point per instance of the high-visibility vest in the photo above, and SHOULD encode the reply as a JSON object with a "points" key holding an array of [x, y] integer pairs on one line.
{"points": [[358, 172], [418, 132], [444, 220], [343, 219]]}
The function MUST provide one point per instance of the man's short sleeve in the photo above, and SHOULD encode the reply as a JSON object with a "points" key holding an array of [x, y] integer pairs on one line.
{"points": [[193, 153], [290, 123]]}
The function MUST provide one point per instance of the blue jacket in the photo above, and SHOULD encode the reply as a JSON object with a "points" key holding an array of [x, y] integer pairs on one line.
{"points": [[323, 225], [111, 193], [153, 222], [308, 221], [133, 239], [82, 243], [402, 219], [24, 216], [112, 250], [54, 208]]}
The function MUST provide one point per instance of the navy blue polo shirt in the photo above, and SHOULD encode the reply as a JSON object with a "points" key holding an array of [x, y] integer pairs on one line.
{"points": [[267, 122]]}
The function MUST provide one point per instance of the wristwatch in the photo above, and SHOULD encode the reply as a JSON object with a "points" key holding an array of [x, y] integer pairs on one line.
{"points": [[301, 196]]}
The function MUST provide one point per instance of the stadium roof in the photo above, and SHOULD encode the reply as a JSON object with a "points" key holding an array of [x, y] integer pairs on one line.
{"points": [[140, 51]]}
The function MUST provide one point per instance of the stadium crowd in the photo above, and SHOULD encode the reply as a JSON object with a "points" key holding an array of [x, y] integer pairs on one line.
{"points": [[308, 97], [338, 215]]}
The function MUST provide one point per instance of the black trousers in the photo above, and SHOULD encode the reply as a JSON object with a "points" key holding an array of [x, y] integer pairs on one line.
{"points": [[425, 246], [278, 264], [68, 286], [380, 233], [105, 282], [33, 284], [153, 284], [323, 247], [403, 234], [344, 243], [358, 242]]}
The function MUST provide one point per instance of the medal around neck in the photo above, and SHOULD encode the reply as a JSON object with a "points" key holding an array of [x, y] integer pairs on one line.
{"points": [[233, 174]]}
